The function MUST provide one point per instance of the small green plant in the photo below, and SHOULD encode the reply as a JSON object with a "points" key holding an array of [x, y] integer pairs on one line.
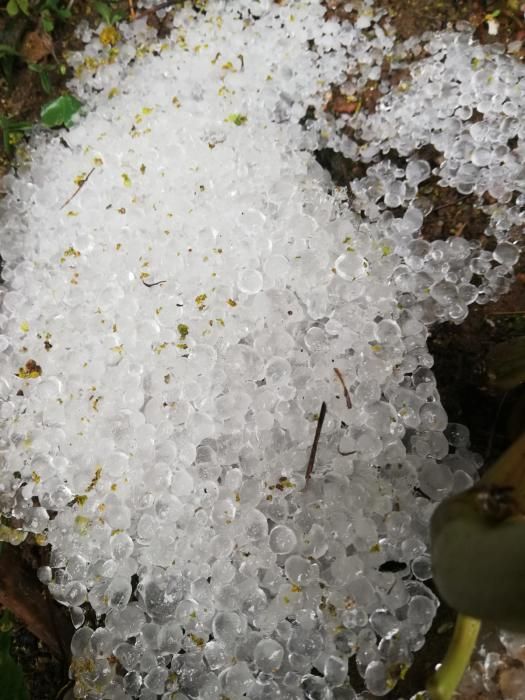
{"points": [[108, 14], [43, 73], [12, 132], [46, 14], [48, 11], [51, 11], [60, 111], [15, 7], [8, 56], [12, 682], [442, 685]]}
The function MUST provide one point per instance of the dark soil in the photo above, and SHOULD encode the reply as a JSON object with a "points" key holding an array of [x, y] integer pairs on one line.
{"points": [[45, 677], [414, 17]]}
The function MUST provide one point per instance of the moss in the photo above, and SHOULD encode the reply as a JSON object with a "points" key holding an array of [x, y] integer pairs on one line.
{"points": [[95, 479], [183, 330], [237, 119], [31, 370], [200, 301]]}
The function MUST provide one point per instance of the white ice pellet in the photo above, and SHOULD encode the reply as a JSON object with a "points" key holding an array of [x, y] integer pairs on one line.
{"points": [[170, 333]]}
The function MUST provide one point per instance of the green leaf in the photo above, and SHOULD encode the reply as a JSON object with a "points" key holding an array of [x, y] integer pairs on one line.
{"points": [[43, 74], [477, 543], [10, 124], [20, 126], [12, 8], [16, 6], [109, 16], [45, 82], [104, 11], [55, 7], [10, 129], [48, 23], [7, 50], [60, 112], [7, 66]]}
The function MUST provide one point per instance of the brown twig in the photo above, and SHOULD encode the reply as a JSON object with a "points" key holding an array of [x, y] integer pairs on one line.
{"points": [[492, 434], [153, 284], [80, 186], [345, 390], [24, 596], [345, 454], [156, 8], [64, 690], [507, 313], [313, 451], [451, 204]]}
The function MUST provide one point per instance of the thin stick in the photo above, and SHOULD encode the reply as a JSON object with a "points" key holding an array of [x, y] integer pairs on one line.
{"points": [[80, 186], [451, 204], [345, 390], [313, 451], [345, 454], [22, 594], [495, 422], [156, 8], [153, 284], [507, 313]]}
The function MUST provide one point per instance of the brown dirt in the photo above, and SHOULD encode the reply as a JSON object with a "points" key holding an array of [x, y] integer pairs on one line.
{"points": [[45, 667], [45, 676], [414, 17]]}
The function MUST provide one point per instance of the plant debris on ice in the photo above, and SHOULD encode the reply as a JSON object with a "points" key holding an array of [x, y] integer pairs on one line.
{"points": [[185, 287]]}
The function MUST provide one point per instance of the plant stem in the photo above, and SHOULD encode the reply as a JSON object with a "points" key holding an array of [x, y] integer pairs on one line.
{"points": [[442, 685], [313, 452]]}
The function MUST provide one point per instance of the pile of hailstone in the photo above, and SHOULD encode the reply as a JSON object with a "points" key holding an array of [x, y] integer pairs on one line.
{"points": [[182, 282]]}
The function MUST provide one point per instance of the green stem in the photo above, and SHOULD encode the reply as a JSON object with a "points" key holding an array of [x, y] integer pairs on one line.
{"points": [[446, 679]]}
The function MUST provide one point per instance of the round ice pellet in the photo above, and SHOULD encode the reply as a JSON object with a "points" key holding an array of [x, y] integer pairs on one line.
{"points": [[282, 540], [250, 281], [351, 266], [268, 655], [226, 626], [417, 171], [506, 253]]}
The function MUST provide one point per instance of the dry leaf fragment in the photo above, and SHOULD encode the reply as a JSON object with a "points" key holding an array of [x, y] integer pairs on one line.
{"points": [[36, 46]]}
